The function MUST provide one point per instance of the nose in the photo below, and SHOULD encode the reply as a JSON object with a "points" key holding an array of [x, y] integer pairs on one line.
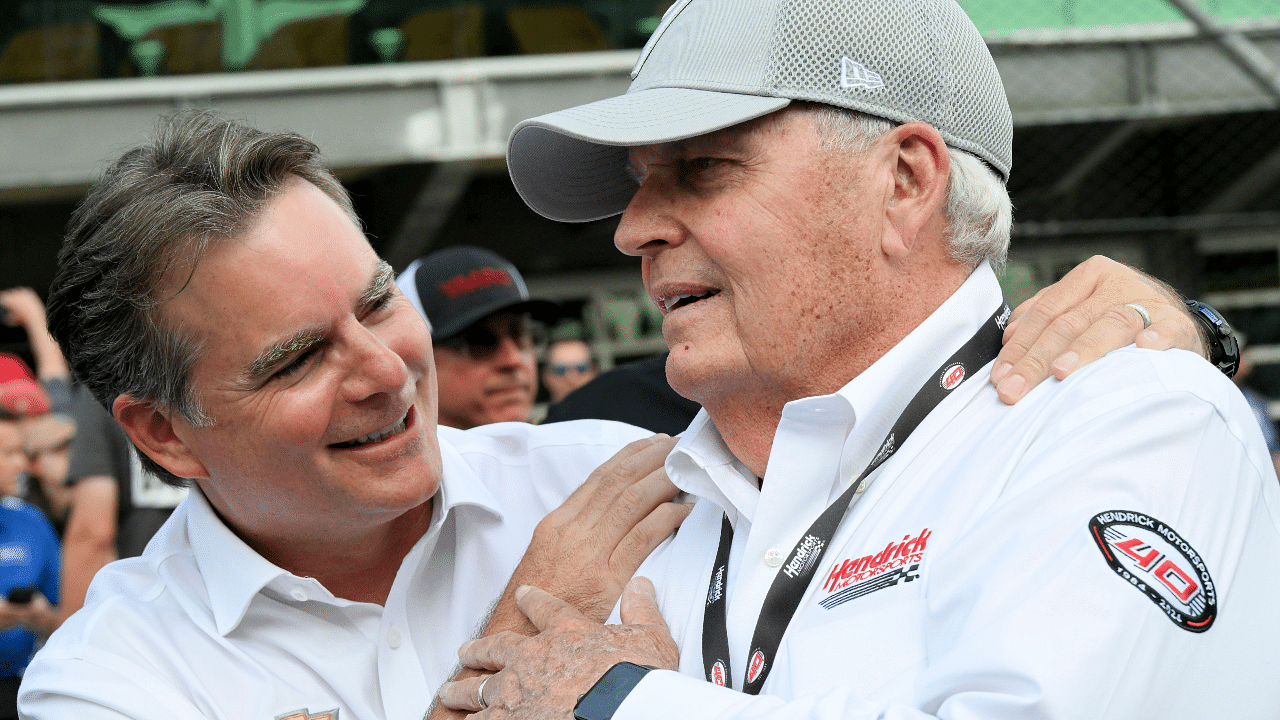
{"points": [[511, 355], [649, 225], [373, 367]]}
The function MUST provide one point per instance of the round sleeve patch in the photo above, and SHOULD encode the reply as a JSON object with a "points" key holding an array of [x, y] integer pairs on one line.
{"points": [[1155, 559]]}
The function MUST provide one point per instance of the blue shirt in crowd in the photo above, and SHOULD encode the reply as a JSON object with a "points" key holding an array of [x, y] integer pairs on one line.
{"points": [[29, 555]]}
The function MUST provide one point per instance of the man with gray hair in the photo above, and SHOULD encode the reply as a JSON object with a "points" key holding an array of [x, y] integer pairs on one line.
{"points": [[816, 191]]}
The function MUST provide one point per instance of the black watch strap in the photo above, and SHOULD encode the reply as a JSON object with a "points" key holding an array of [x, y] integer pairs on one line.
{"points": [[604, 698], [1224, 351]]}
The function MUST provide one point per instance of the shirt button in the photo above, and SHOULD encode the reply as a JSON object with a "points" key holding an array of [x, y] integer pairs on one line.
{"points": [[298, 594], [393, 638], [773, 557]]}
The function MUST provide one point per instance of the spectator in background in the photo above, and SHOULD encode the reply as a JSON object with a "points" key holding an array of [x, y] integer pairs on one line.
{"points": [[482, 331], [21, 307], [636, 393], [28, 570], [21, 396], [1257, 403], [29, 395], [570, 365], [24, 400], [47, 444], [115, 507]]}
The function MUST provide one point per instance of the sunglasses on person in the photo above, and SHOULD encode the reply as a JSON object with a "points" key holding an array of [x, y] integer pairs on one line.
{"points": [[559, 369], [483, 339]]}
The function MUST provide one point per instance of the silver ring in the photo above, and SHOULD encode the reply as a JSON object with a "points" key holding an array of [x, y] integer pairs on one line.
{"points": [[1146, 316], [480, 693]]}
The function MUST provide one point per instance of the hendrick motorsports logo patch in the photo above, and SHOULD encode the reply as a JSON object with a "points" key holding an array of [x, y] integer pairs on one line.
{"points": [[1155, 559]]}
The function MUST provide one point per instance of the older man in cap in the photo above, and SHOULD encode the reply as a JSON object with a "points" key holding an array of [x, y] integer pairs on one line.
{"points": [[483, 325], [816, 190]]}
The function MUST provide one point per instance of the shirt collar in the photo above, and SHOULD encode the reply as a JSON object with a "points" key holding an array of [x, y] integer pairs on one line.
{"points": [[232, 571], [701, 464], [235, 573]]}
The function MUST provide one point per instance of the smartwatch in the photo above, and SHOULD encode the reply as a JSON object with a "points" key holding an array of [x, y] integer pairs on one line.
{"points": [[1224, 351], [603, 699]]}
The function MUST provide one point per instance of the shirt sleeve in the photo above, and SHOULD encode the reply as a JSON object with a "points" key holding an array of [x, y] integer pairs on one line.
{"points": [[1023, 616], [88, 690]]}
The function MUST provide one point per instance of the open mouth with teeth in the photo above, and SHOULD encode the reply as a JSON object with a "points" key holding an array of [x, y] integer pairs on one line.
{"points": [[378, 435], [675, 302]]}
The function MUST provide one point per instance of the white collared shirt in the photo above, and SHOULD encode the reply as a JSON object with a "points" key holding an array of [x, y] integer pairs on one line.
{"points": [[201, 626], [966, 581]]}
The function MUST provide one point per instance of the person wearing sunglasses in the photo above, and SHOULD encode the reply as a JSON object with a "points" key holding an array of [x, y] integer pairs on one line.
{"points": [[570, 365], [484, 331]]}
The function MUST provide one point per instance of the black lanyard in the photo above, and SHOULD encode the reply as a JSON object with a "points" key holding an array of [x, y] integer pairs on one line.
{"points": [[793, 578]]}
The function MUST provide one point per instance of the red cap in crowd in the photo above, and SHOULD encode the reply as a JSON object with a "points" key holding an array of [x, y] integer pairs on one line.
{"points": [[19, 391]]}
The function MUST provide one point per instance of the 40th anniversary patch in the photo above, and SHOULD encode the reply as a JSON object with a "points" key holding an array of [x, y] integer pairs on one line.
{"points": [[1155, 559]]}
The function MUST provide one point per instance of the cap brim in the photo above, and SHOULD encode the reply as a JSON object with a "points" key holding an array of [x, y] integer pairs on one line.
{"points": [[543, 311], [571, 165]]}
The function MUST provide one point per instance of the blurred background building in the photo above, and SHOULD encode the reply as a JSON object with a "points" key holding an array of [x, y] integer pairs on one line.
{"points": [[1144, 129]]}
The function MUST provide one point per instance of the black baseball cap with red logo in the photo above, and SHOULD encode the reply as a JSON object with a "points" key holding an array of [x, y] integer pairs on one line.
{"points": [[459, 285]]}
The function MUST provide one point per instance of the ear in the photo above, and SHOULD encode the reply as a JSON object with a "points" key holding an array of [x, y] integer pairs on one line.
{"points": [[152, 430], [917, 206]]}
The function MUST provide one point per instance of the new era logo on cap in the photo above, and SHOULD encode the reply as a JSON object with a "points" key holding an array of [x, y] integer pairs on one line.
{"points": [[854, 74]]}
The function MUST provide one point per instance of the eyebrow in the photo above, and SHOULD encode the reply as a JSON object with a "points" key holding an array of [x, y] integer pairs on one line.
{"points": [[382, 280], [304, 340]]}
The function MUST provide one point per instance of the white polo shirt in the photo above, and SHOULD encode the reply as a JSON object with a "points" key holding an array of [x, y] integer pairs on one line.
{"points": [[985, 572], [201, 626]]}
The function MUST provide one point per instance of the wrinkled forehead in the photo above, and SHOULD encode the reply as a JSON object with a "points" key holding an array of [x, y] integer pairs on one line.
{"points": [[569, 351], [744, 138]]}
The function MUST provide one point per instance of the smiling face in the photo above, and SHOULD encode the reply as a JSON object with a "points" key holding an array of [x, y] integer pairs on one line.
{"points": [[762, 249], [316, 373]]}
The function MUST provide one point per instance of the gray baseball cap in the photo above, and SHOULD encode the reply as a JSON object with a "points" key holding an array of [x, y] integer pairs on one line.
{"points": [[712, 64]]}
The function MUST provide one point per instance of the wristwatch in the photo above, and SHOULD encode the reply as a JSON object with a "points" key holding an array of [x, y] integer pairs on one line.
{"points": [[1224, 351], [603, 699]]}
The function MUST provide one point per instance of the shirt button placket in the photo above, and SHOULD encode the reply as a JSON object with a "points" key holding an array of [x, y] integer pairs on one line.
{"points": [[773, 557]]}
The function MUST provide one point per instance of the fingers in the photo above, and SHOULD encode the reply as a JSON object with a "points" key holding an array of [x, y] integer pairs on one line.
{"points": [[544, 609], [1173, 332], [645, 536], [489, 653], [631, 510], [640, 605], [463, 694], [1082, 318], [629, 465]]}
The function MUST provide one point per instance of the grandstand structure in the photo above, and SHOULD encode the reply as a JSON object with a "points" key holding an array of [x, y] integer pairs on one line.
{"points": [[1146, 130]]}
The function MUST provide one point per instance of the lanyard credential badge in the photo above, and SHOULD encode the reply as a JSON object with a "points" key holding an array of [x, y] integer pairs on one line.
{"points": [[795, 574]]}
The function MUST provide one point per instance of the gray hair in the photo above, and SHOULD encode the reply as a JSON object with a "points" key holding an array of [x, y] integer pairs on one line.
{"points": [[146, 223], [979, 211]]}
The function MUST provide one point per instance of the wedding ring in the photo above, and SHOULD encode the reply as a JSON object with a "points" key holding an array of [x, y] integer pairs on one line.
{"points": [[1146, 316], [480, 693]]}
